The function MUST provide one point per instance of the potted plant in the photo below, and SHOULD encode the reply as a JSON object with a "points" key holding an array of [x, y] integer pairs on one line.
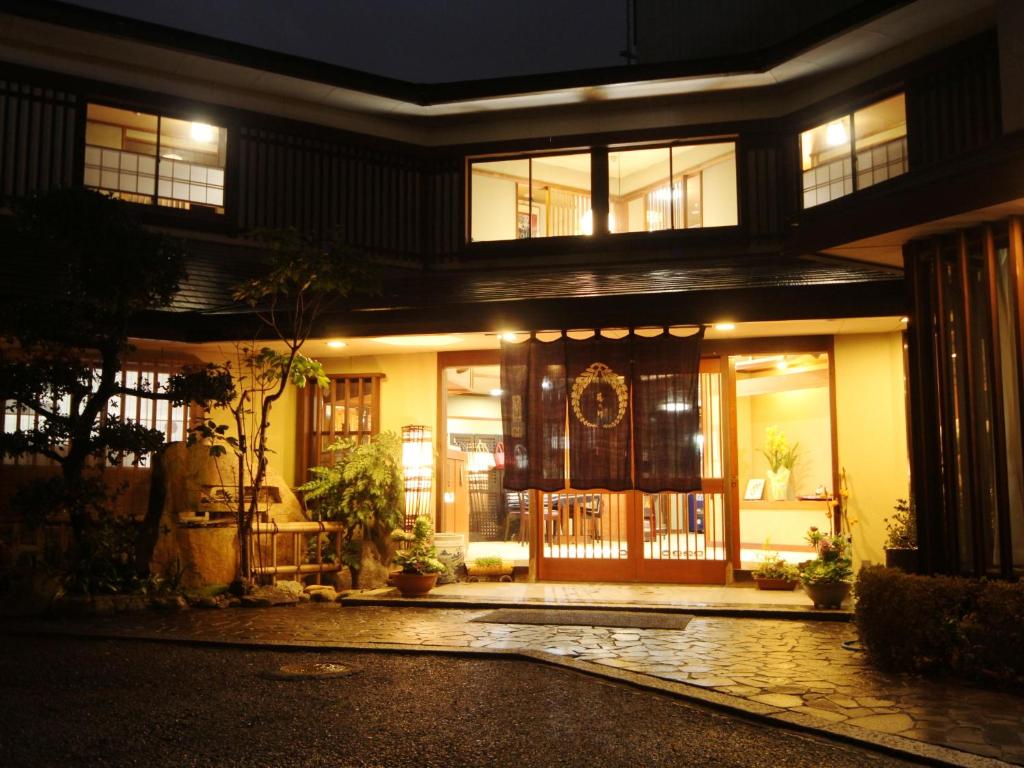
{"points": [[775, 573], [781, 458], [419, 563], [901, 538], [364, 491], [490, 567], [827, 578]]}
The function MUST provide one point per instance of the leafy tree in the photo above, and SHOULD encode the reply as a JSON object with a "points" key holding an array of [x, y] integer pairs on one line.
{"points": [[301, 279], [92, 271]]}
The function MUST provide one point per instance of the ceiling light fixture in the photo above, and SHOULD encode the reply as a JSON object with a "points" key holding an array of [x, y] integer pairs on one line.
{"points": [[336, 344], [202, 132], [725, 326], [836, 134]]}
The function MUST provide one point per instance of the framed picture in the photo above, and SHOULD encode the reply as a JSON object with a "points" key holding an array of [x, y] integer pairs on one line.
{"points": [[523, 225], [755, 489], [529, 221]]}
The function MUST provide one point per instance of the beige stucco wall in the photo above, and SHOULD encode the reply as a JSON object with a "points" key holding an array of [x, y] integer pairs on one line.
{"points": [[872, 435]]}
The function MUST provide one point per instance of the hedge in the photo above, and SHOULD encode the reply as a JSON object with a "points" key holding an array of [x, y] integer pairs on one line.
{"points": [[973, 628]]}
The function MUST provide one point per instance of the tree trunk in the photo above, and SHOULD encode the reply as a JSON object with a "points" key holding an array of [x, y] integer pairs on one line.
{"points": [[149, 530]]}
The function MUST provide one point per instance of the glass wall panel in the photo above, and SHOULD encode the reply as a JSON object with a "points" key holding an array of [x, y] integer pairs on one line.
{"points": [[639, 191], [144, 158], [827, 162], [544, 196], [672, 188], [191, 169], [854, 151], [881, 141], [560, 199], [495, 188]]}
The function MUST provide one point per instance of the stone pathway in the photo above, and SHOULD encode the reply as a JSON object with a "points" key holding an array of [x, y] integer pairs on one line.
{"points": [[789, 671]]}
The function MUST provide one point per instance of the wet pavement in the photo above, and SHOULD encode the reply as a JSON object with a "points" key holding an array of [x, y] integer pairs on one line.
{"points": [[788, 671]]}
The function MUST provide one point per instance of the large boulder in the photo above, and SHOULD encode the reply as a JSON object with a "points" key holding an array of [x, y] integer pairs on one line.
{"points": [[194, 548]]}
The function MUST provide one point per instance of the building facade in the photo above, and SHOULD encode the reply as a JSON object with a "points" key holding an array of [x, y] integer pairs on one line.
{"points": [[836, 212]]}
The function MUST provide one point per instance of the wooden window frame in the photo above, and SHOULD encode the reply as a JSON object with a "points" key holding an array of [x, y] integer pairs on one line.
{"points": [[311, 408]]}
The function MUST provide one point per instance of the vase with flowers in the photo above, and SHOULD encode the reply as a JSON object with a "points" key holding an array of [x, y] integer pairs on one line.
{"points": [[826, 579], [781, 457]]}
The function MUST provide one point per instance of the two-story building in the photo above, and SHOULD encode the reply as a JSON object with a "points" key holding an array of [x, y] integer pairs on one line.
{"points": [[835, 211]]}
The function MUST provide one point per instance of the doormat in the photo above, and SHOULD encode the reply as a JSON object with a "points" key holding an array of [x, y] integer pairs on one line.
{"points": [[625, 619]]}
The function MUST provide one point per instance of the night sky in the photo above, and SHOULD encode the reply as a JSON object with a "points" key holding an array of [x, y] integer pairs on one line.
{"points": [[414, 40], [430, 41]]}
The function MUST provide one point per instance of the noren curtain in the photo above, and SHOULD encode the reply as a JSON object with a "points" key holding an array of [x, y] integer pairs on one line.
{"points": [[666, 412], [625, 411], [533, 414]]}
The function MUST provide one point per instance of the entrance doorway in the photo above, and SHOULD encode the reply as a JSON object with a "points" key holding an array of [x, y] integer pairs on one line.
{"points": [[784, 396], [596, 535]]}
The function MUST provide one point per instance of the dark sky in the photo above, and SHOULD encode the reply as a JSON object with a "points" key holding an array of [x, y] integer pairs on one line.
{"points": [[415, 40]]}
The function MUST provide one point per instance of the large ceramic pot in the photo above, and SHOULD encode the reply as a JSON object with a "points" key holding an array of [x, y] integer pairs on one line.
{"points": [[414, 584], [904, 559], [829, 594], [778, 484], [451, 550]]}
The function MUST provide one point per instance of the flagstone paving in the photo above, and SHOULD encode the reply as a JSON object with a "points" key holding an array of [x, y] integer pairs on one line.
{"points": [[793, 671]]}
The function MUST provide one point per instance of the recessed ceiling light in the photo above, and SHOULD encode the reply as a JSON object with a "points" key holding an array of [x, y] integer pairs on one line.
{"points": [[725, 326], [507, 336], [904, 320], [336, 344], [495, 393], [419, 341], [782, 365]]}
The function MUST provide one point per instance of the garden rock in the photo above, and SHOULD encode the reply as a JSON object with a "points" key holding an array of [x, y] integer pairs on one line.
{"points": [[266, 597], [326, 595], [170, 602], [292, 587]]}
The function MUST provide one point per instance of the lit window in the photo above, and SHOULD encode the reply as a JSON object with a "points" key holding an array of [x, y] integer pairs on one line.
{"points": [[155, 160], [172, 420], [679, 187], [854, 151], [541, 196]]}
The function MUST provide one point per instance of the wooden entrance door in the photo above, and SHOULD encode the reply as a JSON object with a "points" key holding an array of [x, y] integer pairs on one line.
{"points": [[599, 535]]}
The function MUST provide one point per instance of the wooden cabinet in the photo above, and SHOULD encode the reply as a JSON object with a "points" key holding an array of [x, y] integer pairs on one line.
{"points": [[455, 504]]}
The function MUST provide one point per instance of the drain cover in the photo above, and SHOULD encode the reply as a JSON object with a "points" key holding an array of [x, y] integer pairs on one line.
{"points": [[311, 670]]}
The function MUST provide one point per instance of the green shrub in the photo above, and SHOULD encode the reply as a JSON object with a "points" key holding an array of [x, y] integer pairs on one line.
{"points": [[993, 634], [968, 627]]}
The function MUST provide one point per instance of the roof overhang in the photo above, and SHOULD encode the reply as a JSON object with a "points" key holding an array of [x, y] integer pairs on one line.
{"points": [[87, 43], [756, 288]]}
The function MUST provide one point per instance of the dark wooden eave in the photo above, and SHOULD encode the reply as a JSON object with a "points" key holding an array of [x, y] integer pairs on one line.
{"points": [[753, 288]]}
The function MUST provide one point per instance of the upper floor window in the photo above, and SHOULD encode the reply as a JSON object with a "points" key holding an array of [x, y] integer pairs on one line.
{"points": [[540, 196], [675, 187], [854, 151], [156, 160], [667, 187]]}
